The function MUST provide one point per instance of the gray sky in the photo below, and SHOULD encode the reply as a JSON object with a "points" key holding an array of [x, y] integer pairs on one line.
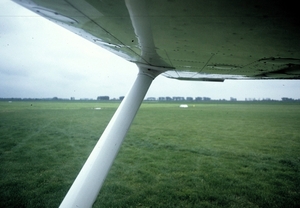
{"points": [[39, 59]]}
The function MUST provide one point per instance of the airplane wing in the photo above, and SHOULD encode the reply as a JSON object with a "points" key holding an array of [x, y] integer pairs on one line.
{"points": [[192, 39]]}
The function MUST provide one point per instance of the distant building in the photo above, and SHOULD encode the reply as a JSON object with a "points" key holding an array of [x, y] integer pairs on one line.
{"points": [[178, 98], [151, 98], [287, 99], [103, 98], [206, 98]]}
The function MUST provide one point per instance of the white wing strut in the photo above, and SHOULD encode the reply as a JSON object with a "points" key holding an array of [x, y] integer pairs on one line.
{"points": [[88, 183], [86, 186]]}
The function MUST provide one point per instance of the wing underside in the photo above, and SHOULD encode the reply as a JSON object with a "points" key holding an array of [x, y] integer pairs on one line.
{"points": [[191, 40]]}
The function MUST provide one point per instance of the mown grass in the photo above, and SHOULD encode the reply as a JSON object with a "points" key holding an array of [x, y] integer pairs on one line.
{"points": [[209, 155]]}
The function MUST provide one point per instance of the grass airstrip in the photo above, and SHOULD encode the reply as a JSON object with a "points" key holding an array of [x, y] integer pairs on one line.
{"points": [[234, 154]]}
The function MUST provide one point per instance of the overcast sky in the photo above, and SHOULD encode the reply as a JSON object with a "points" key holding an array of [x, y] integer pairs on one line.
{"points": [[39, 59]]}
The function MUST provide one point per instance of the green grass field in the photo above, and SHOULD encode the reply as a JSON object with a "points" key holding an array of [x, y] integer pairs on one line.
{"points": [[238, 154]]}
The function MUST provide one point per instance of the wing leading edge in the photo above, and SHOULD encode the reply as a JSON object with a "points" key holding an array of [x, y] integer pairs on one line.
{"points": [[192, 40]]}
